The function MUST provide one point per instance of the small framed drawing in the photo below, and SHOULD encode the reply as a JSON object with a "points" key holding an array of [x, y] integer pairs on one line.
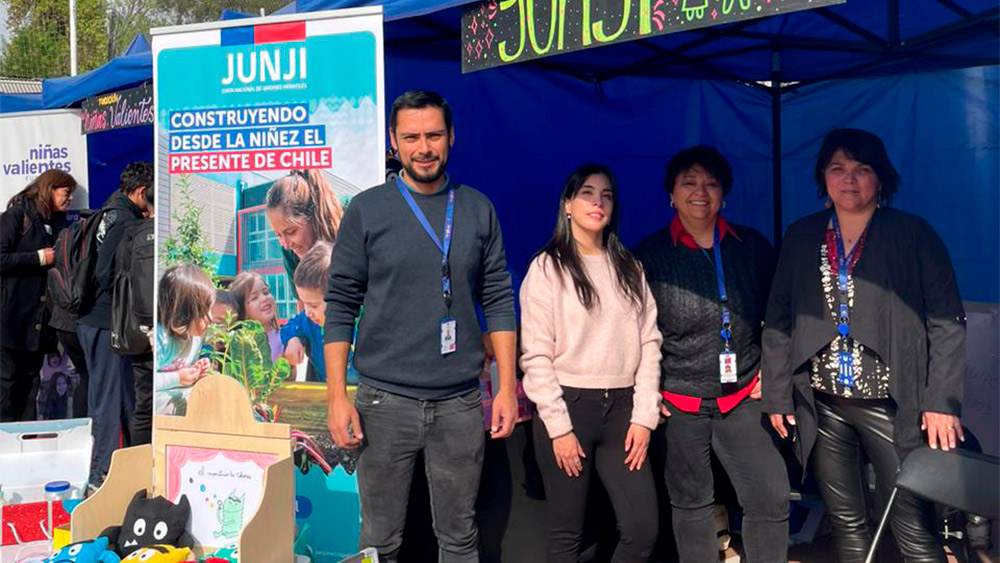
{"points": [[224, 487]]}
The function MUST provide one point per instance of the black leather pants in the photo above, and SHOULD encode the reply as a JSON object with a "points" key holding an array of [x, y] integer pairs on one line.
{"points": [[851, 430]]}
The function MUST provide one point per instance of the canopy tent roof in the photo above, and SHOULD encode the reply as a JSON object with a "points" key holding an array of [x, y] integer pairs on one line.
{"points": [[856, 39]]}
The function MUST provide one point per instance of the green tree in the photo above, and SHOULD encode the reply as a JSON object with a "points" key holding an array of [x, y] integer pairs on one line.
{"points": [[39, 37], [128, 18], [194, 11], [187, 244]]}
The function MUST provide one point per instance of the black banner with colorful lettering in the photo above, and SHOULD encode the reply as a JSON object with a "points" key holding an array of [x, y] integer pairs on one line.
{"points": [[128, 108], [500, 32]]}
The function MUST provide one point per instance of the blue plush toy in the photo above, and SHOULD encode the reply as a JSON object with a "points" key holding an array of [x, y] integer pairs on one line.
{"points": [[85, 552]]}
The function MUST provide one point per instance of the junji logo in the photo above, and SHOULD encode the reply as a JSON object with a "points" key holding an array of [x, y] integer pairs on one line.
{"points": [[266, 65]]}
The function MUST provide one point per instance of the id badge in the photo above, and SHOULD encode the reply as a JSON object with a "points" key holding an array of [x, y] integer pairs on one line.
{"points": [[728, 372], [845, 369], [449, 337]]}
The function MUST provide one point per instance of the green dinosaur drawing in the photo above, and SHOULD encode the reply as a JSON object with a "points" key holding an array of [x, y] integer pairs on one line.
{"points": [[230, 515]]}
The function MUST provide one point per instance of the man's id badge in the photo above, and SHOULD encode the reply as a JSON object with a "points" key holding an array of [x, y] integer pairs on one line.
{"points": [[449, 338], [727, 367]]}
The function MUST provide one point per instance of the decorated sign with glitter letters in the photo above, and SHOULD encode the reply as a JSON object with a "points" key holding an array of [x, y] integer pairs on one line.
{"points": [[500, 32]]}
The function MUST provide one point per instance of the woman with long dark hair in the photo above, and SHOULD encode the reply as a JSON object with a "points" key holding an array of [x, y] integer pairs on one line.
{"points": [[57, 397], [591, 354], [28, 231]]}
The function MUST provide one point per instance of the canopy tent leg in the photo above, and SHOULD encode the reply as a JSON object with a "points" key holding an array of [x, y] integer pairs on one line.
{"points": [[776, 144]]}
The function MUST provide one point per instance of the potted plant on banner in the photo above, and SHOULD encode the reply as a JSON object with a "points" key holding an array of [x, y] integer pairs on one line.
{"points": [[241, 351]]}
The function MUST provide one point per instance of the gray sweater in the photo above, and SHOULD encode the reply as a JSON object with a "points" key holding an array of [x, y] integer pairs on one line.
{"points": [[385, 261]]}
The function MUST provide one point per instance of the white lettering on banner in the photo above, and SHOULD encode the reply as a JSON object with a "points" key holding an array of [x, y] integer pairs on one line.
{"points": [[212, 118], [265, 65]]}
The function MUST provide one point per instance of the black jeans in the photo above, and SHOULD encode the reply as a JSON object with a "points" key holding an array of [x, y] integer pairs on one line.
{"points": [[450, 434], [141, 421], [71, 344], [751, 459], [19, 372], [601, 419], [851, 430]]}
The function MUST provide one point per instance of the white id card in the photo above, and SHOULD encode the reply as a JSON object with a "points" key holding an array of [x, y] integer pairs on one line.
{"points": [[728, 372], [449, 338]]}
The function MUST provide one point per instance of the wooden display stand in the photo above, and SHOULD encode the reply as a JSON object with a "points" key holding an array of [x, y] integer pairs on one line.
{"points": [[219, 417]]}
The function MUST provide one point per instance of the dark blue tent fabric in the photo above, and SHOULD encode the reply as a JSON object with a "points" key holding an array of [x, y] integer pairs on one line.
{"points": [[234, 15], [119, 73], [109, 152], [20, 102], [138, 46], [132, 68]]}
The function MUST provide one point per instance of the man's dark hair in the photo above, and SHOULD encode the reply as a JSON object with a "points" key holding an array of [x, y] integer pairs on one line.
{"points": [[705, 156], [137, 175], [419, 99]]}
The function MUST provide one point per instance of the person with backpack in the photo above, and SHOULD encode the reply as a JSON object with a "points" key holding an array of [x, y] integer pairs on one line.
{"points": [[62, 319], [111, 395], [28, 231], [132, 319]]}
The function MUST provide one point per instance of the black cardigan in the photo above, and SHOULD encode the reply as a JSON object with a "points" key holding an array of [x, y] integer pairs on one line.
{"points": [[683, 283], [23, 314], [907, 309]]}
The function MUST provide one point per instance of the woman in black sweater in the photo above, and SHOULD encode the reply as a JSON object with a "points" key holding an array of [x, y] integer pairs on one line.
{"points": [[28, 231], [710, 319], [864, 347]]}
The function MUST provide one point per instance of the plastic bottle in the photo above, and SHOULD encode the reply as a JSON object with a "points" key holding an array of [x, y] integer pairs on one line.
{"points": [[55, 491]]}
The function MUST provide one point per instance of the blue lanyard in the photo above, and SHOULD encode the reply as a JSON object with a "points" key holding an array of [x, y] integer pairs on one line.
{"points": [[845, 360], [449, 221], [843, 265], [720, 276]]}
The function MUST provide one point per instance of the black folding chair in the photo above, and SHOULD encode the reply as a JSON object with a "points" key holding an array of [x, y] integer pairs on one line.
{"points": [[967, 481]]}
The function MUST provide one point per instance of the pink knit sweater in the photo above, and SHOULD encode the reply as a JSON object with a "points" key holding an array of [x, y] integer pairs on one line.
{"points": [[611, 347]]}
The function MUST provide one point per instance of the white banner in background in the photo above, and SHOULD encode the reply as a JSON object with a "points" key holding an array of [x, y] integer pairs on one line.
{"points": [[35, 141]]}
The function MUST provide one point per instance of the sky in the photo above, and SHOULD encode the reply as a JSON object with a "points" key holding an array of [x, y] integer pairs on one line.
{"points": [[3, 21]]}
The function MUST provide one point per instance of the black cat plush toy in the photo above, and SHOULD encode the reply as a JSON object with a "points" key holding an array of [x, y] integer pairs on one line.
{"points": [[149, 522]]}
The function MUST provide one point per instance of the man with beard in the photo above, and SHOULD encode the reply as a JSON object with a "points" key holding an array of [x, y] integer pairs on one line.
{"points": [[420, 252]]}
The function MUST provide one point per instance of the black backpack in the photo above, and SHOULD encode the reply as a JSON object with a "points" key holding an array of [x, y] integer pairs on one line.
{"points": [[72, 285], [132, 293]]}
